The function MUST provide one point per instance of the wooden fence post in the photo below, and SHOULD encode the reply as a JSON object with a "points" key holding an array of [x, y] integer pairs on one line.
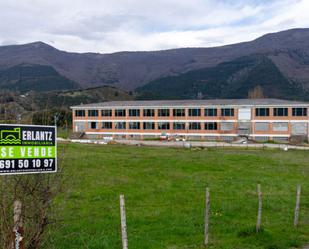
{"points": [[207, 209], [123, 223], [296, 213], [259, 216], [18, 242]]}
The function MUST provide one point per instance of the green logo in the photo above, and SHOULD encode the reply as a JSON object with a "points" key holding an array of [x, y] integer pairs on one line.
{"points": [[10, 136]]}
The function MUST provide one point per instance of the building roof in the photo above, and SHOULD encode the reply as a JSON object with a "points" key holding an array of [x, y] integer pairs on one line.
{"points": [[192, 103]]}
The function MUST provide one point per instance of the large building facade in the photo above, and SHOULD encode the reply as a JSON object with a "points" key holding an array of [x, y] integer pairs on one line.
{"points": [[257, 119]]}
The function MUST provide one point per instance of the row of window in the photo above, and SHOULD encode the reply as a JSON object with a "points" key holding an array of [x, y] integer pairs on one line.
{"points": [[297, 128], [280, 112], [151, 125], [193, 112]]}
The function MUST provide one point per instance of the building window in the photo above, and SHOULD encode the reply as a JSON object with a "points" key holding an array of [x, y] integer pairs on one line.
{"points": [[148, 112], [299, 129], [107, 125], [134, 112], [300, 111], [80, 126], [163, 126], [106, 113], [194, 112], [280, 112], [163, 112], [284, 126], [149, 125], [179, 113], [227, 126], [93, 125], [120, 125], [211, 126], [93, 113], [227, 112], [120, 112], [179, 126], [261, 112], [210, 112], [194, 126], [80, 113], [134, 125], [262, 126]]}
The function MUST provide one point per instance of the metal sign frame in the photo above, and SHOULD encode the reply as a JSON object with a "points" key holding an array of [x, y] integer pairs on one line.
{"points": [[33, 170]]}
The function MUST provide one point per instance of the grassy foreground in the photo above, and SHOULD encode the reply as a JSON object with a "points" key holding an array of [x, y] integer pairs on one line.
{"points": [[164, 190]]}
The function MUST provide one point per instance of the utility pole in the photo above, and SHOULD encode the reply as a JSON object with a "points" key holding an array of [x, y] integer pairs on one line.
{"points": [[5, 114], [18, 118], [56, 119]]}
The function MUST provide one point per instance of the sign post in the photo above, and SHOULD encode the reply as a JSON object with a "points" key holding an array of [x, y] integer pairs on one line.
{"points": [[26, 149]]}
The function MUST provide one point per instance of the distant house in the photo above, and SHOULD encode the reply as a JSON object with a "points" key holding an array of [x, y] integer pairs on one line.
{"points": [[218, 119]]}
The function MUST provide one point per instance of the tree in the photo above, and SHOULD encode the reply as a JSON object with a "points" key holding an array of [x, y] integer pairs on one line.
{"points": [[199, 95], [256, 93], [36, 193], [46, 117]]}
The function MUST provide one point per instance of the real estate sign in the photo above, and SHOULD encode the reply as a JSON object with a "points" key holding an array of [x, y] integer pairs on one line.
{"points": [[26, 149]]}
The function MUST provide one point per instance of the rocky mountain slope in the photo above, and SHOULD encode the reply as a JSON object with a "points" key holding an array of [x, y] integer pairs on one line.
{"points": [[254, 74], [28, 77], [288, 51]]}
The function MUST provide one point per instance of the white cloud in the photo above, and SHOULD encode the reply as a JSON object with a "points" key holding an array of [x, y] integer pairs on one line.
{"points": [[109, 26]]}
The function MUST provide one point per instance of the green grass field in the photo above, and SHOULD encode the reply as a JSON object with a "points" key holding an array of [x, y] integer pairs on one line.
{"points": [[164, 190]]}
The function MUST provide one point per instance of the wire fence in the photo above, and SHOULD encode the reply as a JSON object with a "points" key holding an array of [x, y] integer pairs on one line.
{"points": [[184, 216]]}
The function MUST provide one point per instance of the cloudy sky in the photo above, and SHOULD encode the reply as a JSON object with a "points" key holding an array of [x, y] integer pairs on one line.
{"points": [[115, 25]]}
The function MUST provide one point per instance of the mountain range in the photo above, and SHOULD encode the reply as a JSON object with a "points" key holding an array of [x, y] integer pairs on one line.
{"points": [[277, 63]]}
